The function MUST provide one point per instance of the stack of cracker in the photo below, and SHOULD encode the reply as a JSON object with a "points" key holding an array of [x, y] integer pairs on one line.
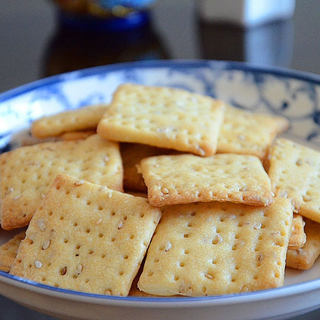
{"points": [[208, 220]]}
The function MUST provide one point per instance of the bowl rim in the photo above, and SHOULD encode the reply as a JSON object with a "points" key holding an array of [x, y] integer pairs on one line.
{"points": [[288, 290], [171, 302], [195, 64]]}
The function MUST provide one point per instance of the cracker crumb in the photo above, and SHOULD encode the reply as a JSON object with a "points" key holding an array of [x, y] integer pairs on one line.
{"points": [[99, 221], [260, 257]]}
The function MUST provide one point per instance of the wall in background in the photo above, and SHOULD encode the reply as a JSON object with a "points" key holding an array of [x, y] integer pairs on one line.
{"points": [[22, 42], [26, 27]]}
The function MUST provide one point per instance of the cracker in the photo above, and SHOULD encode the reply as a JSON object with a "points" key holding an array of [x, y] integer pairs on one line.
{"points": [[134, 290], [132, 154], [26, 173], [305, 257], [223, 177], [249, 133], [86, 237], [298, 236], [295, 173], [163, 117], [8, 251], [74, 120], [217, 248], [76, 135]]}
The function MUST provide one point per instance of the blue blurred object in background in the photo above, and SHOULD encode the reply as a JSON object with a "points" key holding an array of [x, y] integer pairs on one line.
{"points": [[91, 33], [134, 4], [104, 15]]}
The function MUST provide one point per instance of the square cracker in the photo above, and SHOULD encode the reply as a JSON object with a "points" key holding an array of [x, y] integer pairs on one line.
{"points": [[305, 257], [8, 251], [74, 120], [86, 237], [294, 171], [249, 133], [163, 117], [298, 236], [27, 172], [223, 177], [217, 248], [132, 154]]}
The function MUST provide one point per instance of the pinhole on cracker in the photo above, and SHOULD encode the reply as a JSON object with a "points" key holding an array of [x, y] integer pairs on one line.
{"points": [[27, 172], [163, 117], [86, 237]]}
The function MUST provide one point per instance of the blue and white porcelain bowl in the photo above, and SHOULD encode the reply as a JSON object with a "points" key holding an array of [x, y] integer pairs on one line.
{"points": [[292, 94]]}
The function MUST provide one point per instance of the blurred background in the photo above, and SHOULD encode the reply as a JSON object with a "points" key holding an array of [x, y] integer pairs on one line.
{"points": [[39, 39], [43, 38]]}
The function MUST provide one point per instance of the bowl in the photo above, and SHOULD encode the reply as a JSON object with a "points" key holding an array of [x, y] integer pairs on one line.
{"points": [[292, 94]]}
